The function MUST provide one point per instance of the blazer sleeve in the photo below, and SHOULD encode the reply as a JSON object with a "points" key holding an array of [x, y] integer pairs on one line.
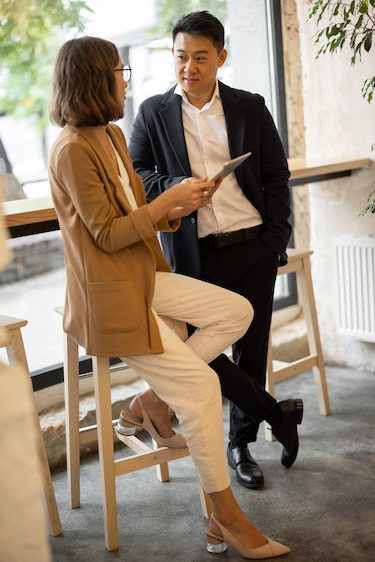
{"points": [[143, 140], [276, 194], [79, 188]]}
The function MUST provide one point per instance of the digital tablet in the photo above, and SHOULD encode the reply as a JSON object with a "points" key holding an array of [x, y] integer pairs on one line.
{"points": [[229, 166]]}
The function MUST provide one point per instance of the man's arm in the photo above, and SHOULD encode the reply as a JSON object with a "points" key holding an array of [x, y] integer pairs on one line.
{"points": [[142, 152], [275, 176]]}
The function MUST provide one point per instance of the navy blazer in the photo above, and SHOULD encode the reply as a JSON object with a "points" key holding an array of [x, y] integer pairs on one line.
{"points": [[158, 150]]}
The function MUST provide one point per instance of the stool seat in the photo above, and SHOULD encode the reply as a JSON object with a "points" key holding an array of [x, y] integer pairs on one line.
{"points": [[299, 263], [16, 355], [10, 323], [103, 432]]}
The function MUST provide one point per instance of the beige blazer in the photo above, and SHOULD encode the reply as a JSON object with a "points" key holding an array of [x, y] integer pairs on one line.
{"points": [[111, 252]]}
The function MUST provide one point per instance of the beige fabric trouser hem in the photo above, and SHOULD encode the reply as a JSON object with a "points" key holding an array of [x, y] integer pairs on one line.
{"points": [[181, 376]]}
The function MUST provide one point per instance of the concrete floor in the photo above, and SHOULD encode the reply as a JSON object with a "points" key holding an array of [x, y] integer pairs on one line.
{"points": [[322, 508]]}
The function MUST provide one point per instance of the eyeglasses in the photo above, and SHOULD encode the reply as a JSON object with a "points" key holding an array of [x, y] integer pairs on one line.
{"points": [[126, 72]]}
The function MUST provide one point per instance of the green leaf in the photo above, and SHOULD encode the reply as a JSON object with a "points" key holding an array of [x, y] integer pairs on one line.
{"points": [[324, 7], [335, 30], [359, 22], [368, 42], [363, 8]]}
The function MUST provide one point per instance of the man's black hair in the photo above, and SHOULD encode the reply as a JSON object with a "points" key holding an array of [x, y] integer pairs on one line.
{"points": [[202, 24]]}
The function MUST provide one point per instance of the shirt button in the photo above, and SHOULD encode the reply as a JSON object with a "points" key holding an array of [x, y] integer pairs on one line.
{"points": [[193, 221]]}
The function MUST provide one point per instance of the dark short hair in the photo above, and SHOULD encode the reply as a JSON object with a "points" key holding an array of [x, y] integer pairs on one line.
{"points": [[202, 24], [84, 84]]}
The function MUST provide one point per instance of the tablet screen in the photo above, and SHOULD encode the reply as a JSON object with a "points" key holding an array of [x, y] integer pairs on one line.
{"points": [[229, 166]]}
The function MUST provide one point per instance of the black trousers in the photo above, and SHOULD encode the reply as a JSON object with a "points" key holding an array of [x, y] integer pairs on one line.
{"points": [[248, 268]]}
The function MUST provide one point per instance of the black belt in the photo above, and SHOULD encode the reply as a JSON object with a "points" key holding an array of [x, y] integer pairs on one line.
{"points": [[229, 238]]}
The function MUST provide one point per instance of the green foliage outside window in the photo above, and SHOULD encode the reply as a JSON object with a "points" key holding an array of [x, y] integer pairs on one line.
{"points": [[170, 11], [30, 34]]}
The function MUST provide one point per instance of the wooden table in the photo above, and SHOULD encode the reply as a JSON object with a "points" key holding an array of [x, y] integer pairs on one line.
{"points": [[303, 172], [31, 216]]}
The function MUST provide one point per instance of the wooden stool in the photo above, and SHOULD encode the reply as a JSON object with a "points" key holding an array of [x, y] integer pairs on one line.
{"points": [[16, 354], [299, 262], [104, 433]]}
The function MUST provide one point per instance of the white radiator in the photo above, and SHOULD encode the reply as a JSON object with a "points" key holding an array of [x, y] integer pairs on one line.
{"points": [[355, 282]]}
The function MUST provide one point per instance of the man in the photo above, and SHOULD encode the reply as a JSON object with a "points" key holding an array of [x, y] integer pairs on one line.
{"points": [[240, 238]]}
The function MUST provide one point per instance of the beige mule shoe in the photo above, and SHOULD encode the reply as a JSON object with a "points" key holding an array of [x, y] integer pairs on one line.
{"points": [[216, 544], [128, 422]]}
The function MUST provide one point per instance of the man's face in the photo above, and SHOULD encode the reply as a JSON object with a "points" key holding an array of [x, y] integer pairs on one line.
{"points": [[196, 62]]}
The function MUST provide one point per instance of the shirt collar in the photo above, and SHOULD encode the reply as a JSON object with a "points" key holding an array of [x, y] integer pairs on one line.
{"points": [[180, 92]]}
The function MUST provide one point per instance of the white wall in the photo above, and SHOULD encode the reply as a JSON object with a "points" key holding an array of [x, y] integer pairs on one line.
{"points": [[339, 123]]}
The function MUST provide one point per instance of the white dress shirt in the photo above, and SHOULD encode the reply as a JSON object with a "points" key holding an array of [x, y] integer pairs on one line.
{"points": [[124, 178], [207, 146]]}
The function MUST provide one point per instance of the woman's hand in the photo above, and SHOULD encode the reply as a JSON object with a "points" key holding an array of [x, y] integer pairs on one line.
{"points": [[191, 194], [182, 199]]}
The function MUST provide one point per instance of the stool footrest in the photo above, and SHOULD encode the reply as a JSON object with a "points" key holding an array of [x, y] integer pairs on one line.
{"points": [[146, 459], [90, 433], [295, 367]]}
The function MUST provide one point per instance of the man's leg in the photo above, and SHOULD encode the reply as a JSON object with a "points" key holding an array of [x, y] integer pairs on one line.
{"points": [[248, 268], [250, 352]]}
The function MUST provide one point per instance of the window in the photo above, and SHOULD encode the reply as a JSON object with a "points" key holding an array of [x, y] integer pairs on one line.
{"points": [[35, 283]]}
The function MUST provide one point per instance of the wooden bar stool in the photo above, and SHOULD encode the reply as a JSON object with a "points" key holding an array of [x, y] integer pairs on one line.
{"points": [[299, 262], [16, 355], [103, 431]]}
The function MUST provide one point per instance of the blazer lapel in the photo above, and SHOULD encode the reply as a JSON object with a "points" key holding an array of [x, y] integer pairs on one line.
{"points": [[171, 118], [235, 118], [115, 193], [120, 194]]}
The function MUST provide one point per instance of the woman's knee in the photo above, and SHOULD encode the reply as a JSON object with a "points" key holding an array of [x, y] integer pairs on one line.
{"points": [[243, 312]]}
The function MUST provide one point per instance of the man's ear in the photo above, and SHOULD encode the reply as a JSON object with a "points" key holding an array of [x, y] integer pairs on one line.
{"points": [[222, 57]]}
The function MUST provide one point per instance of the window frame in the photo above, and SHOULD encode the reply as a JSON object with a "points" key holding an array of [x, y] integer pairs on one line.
{"points": [[275, 44]]}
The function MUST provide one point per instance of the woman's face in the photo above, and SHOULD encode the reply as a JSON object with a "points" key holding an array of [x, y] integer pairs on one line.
{"points": [[121, 84]]}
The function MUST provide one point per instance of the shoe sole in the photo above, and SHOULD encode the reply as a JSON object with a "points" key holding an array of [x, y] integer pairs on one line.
{"points": [[299, 410]]}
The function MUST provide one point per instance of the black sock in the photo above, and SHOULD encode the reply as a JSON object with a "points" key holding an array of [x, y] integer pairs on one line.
{"points": [[275, 418]]}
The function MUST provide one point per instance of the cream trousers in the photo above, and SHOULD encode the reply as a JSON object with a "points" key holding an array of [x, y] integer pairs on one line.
{"points": [[181, 376]]}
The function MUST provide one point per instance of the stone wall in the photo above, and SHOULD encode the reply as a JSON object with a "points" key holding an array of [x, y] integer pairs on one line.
{"points": [[295, 118], [33, 255]]}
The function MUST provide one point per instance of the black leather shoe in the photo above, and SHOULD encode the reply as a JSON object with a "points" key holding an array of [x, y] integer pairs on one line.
{"points": [[248, 472], [286, 434]]}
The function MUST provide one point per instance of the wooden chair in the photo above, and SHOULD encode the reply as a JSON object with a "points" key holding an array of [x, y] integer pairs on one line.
{"points": [[103, 431], [299, 262], [16, 355]]}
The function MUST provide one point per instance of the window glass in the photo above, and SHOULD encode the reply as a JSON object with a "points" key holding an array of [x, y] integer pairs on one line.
{"points": [[30, 288]]}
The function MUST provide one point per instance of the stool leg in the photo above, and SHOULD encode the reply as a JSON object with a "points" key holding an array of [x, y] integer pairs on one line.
{"points": [[71, 392], [305, 288], [270, 385], [162, 470], [16, 353], [102, 385]]}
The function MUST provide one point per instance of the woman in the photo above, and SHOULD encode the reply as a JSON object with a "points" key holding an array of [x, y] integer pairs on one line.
{"points": [[119, 285]]}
